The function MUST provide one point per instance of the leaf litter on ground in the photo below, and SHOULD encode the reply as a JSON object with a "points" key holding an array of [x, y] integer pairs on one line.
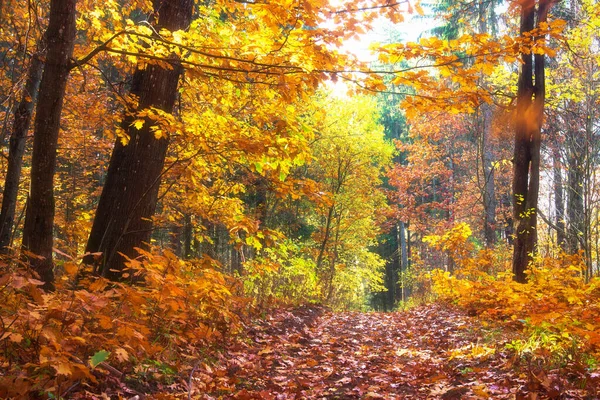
{"points": [[430, 352]]}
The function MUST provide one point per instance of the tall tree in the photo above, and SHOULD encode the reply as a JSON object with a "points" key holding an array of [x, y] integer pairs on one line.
{"points": [[130, 194], [576, 157], [559, 200], [18, 137], [485, 11], [528, 125], [350, 154], [39, 218]]}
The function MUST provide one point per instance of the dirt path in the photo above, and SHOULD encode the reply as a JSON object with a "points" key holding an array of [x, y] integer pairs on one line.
{"points": [[426, 353]]}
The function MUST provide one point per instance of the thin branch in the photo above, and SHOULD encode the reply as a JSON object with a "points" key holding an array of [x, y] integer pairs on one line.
{"points": [[359, 9], [94, 52]]}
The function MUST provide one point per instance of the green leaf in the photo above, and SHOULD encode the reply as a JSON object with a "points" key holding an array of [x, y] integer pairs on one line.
{"points": [[282, 176], [99, 357]]}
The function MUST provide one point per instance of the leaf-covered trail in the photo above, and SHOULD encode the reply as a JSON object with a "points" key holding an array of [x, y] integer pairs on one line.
{"points": [[430, 352]]}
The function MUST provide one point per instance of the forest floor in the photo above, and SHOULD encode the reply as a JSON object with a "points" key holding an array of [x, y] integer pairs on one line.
{"points": [[430, 352]]}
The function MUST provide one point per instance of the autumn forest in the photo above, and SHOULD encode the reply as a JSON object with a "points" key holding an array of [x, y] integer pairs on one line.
{"points": [[235, 199]]}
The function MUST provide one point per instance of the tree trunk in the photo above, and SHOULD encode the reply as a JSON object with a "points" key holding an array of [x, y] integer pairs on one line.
{"points": [[236, 260], [489, 187], [528, 123], [17, 142], [403, 258], [559, 201], [509, 227], [334, 257], [188, 233], [575, 191], [128, 200], [39, 218], [325, 240], [175, 240]]}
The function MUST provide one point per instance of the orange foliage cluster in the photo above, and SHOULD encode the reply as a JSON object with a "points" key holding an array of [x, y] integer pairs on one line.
{"points": [[91, 330], [556, 298]]}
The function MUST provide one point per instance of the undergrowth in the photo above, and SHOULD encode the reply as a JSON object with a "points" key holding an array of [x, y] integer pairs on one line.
{"points": [[90, 331], [557, 310]]}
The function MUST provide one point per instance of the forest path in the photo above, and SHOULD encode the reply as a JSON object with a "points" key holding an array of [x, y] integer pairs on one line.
{"points": [[430, 352]]}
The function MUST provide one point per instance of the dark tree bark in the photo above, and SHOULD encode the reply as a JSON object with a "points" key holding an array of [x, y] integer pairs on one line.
{"points": [[39, 217], [175, 240], [528, 123], [16, 149], [236, 260], [128, 200]]}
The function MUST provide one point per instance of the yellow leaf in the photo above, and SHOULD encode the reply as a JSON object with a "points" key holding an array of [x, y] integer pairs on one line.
{"points": [[121, 354], [158, 133], [63, 368], [417, 7], [138, 123]]}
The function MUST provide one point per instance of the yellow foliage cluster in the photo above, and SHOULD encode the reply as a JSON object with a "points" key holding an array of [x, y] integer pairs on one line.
{"points": [[453, 241], [447, 74], [91, 327], [556, 297], [281, 275]]}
